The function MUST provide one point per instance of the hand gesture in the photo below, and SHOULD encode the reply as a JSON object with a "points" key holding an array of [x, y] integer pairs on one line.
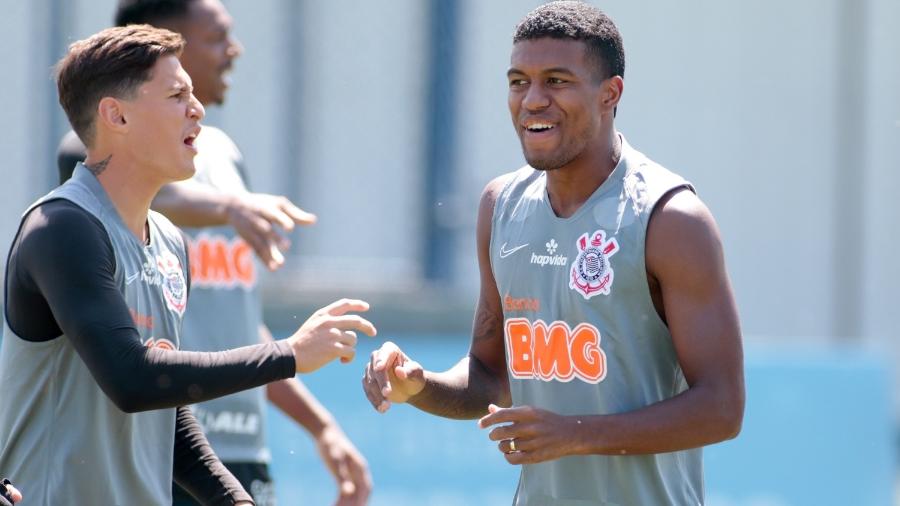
{"points": [[8, 493], [391, 376], [531, 435], [330, 333], [254, 216], [347, 466]]}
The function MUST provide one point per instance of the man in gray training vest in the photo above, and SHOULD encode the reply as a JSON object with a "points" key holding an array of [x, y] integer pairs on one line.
{"points": [[97, 286], [225, 303], [605, 317]]}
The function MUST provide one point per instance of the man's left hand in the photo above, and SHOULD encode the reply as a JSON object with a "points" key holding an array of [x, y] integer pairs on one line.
{"points": [[531, 435], [347, 465]]}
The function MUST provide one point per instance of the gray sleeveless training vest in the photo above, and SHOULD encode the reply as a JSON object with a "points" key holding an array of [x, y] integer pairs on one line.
{"points": [[62, 439], [225, 306], [581, 333]]}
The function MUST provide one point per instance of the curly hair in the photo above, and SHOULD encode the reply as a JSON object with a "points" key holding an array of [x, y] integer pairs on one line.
{"points": [[582, 22]]}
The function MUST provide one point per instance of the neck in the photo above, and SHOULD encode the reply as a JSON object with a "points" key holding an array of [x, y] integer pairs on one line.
{"points": [[127, 186], [569, 186]]}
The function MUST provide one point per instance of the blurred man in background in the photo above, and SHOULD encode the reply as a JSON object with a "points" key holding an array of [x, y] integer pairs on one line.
{"points": [[605, 317], [226, 224]]}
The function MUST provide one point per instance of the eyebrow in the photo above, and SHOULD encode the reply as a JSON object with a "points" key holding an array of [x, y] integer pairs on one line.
{"points": [[181, 87], [553, 70]]}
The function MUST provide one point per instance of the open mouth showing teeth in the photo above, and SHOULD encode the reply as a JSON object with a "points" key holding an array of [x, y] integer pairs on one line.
{"points": [[539, 127], [190, 140]]}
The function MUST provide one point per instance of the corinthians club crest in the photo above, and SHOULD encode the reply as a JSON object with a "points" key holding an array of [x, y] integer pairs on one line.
{"points": [[173, 284], [591, 273]]}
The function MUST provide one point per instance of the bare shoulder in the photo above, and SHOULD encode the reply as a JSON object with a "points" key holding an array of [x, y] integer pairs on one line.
{"points": [[682, 233], [493, 189]]}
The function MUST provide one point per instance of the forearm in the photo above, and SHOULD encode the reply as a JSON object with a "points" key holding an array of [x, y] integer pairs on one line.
{"points": [[197, 469], [138, 379], [189, 204], [296, 401], [463, 392], [696, 417]]}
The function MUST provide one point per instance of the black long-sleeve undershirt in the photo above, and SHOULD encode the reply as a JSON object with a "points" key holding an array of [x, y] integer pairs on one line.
{"points": [[197, 469]]}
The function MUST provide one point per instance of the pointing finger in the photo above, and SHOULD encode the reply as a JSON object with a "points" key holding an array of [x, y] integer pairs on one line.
{"points": [[299, 216], [342, 306], [503, 415], [354, 322]]}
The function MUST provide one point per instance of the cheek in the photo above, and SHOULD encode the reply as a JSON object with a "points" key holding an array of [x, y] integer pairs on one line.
{"points": [[512, 102]]}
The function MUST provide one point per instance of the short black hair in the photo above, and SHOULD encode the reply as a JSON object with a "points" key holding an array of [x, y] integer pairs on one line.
{"points": [[582, 22], [151, 12]]}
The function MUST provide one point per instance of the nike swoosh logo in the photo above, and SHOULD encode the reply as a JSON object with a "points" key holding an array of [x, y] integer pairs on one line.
{"points": [[130, 279], [507, 252]]}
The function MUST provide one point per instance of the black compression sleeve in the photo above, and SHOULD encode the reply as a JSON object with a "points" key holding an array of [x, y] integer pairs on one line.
{"points": [[197, 469], [64, 254]]}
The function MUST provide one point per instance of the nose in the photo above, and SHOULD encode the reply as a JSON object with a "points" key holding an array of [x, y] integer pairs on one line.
{"points": [[235, 48], [195, 109], [536, 97]]}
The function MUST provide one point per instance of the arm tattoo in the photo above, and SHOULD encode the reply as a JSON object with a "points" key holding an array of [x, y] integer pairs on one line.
{"points": [[487, 325], [98, 167], [465, 391]]}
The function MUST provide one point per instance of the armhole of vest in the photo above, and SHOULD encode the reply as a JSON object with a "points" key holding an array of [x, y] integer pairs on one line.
{"points": [[185, 247], [501, 197], [672, 190], [6, 268]]}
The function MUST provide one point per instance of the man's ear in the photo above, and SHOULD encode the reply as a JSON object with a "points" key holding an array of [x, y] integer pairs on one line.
{"points": [[612, 92], [111, 114]]}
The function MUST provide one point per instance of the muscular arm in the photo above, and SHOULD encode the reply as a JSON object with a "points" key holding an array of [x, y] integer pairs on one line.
{"points": [[196, 467], [685, 260], [61, 281], [466, 390]]}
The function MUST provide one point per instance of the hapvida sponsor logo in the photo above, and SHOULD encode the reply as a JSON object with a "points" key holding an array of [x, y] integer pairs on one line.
{"points": [[551, 258]]}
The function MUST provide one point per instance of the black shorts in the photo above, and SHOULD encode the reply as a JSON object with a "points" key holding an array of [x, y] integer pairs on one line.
{"points": [[253, 476]]}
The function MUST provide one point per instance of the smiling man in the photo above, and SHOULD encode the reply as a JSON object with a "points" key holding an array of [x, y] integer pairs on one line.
{"points": [[627, 357], [96, 289]]}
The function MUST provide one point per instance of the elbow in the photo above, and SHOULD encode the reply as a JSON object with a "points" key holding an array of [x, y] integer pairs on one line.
{"points": [[128, 400], [730, 418], [125, 403], [731, 426]]}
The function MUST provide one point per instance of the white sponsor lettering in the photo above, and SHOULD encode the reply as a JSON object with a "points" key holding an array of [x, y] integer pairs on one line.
{"points": [[552, 260], [228, 422]]}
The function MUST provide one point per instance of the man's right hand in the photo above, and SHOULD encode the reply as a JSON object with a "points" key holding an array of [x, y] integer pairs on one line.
{"points": [[254, 216], [391, 376], [330, 333]]}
